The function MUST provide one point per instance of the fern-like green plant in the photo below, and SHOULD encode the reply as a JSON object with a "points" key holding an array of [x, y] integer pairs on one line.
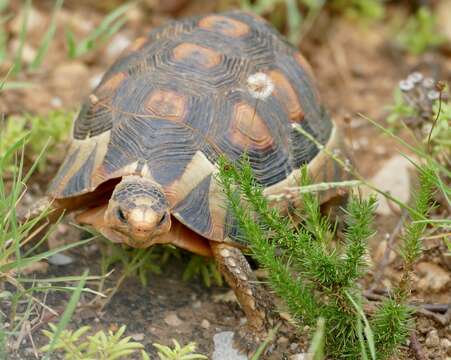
{"points": [[317, 278]]}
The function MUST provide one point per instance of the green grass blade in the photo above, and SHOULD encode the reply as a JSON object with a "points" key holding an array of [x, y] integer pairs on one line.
{"points": [[20, 264], [107, 28], [366, 329], [22, 36], [14, 85], [317, 344], [70, 308], [43, 48]]}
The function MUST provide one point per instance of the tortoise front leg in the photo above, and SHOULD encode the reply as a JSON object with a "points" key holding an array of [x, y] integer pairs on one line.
{"points": [[254, 302]]}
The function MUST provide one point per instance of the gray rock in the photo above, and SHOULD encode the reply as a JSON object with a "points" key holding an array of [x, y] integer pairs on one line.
{"points": [[223, 347], [60, 259], [393, 177]]}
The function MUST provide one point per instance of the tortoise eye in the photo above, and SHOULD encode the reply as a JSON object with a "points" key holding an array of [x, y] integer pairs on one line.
{"points": [[163, 219], [121, 216]]}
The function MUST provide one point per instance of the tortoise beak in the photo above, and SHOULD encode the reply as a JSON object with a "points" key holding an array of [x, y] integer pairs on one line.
{"points": [[146, 227]]}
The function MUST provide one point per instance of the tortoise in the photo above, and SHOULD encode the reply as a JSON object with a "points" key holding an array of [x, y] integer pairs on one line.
{"points": [[142, 163]]}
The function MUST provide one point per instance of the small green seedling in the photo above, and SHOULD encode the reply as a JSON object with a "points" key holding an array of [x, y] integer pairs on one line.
{"points": [[287, 14], [178, 352], [205, 268], [421, 32], [360, 9], [50, 131], [77, 345]]}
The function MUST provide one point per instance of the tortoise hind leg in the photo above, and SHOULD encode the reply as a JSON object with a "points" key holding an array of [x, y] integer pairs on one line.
{"points": [[254, 302]]}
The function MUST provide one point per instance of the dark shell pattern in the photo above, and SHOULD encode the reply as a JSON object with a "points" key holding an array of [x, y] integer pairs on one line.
{"points": [[178, 98]]}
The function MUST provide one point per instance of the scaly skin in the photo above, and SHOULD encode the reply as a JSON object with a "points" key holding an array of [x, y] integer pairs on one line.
{"points": [[255, 303]]}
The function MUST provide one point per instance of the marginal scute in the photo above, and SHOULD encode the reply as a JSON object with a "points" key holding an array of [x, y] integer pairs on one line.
{"points": [[199, 56], [195, 172], [111, 84], [167, 105], [248, 128], [224, 25], [304, 65], [285, 93], [218, 211]]}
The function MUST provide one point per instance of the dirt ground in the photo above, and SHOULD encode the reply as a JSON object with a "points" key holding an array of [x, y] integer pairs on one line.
{"points": [[357, 69]]}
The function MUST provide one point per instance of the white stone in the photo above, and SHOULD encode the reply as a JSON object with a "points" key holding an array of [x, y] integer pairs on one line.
{"points": [[35, 20], [205, 324], [432, 339], [380, 252], [301, 356], [118, 43], [95, 80], [28, 52], [60, 259], [138, 337], [433, 277], [393, 177], [223, 347]]}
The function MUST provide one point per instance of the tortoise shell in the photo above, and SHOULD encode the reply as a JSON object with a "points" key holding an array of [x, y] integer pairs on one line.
{"points": [[178, 98]]}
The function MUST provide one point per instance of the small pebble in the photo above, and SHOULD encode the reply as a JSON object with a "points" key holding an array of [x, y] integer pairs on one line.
{"points": [[60, 259], [197, 305], [205, 324], [223, 347], [445, 344], [117, 44], [138, 337], [282, 340], [95, 80], [294, 346], [432, 339], [433, 277], [301, 356], [173, 320], [56, 102]]}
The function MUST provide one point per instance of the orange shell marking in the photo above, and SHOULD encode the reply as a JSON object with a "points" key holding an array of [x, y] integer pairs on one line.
{"points": [[112, 83], [137, 44], [248, 129], [224, 25], [285, 93], [199, 55], [167, 104]]}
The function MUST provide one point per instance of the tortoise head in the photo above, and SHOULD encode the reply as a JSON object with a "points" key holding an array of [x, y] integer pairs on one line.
{"points": [[137, 213]]}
